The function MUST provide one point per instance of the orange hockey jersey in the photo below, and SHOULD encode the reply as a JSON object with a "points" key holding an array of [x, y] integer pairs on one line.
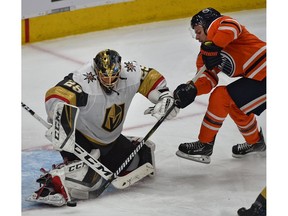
{"points": [[243, 54]]}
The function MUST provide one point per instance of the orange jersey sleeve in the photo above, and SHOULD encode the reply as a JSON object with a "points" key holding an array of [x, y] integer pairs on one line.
{"points": [[244, 53], [207, 81]]}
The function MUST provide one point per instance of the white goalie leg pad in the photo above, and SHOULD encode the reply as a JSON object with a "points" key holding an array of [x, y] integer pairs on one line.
{"points": [[145, 169], [78, 179], [151, 145], [62, 131], [60, 174], [131, 178]]}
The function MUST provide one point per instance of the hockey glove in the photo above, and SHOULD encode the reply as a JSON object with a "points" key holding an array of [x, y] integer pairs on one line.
{"points": [[185, 94], [165, 101], [211, 55]]}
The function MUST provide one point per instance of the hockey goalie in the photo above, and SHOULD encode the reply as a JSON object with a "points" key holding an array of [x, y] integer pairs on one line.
{"points": [[86, 111]]}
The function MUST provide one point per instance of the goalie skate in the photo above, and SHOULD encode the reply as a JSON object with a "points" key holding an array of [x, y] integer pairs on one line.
{"points": [[47, 197], [198, 158]]}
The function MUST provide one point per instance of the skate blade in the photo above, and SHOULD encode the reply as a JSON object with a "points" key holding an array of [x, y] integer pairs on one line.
{"points": [[198, 158], [261, 154]]}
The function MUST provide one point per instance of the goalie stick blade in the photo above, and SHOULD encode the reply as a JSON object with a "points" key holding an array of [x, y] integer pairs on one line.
{"points": [[198, 158], [131, 178]]}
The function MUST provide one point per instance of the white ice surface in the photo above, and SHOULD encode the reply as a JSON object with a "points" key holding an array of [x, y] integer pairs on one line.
{"points": [[180, 187]]}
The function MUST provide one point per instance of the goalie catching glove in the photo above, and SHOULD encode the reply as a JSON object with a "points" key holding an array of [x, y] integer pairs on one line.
{"points": [[165, 101]]}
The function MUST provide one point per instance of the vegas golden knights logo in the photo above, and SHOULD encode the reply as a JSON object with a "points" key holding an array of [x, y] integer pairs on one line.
{"points": [[113, 117]]}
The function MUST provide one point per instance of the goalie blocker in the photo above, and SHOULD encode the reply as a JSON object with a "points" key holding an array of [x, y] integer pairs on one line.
{"points": [[79, 178]]}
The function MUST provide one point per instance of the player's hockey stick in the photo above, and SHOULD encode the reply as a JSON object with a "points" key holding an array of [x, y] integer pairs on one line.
{"points": [[140, 145]]}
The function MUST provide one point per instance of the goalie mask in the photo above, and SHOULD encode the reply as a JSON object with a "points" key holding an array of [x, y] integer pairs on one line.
{"points": [[107, 66], [205, 18]]}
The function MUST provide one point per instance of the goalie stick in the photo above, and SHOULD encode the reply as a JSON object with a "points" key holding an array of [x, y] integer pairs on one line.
{"points": [[119, 183], [158, 123]]}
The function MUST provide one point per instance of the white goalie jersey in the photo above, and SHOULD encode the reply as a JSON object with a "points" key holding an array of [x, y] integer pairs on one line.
{"points": [[102, 116]]}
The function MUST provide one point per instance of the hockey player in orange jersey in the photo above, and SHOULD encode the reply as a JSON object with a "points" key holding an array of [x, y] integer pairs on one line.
{"points": [[228, 47]]}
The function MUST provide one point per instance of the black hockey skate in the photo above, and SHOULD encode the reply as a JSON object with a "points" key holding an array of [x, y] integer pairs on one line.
{"points": [[196, 151], [244, 149], [255, 210]]}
